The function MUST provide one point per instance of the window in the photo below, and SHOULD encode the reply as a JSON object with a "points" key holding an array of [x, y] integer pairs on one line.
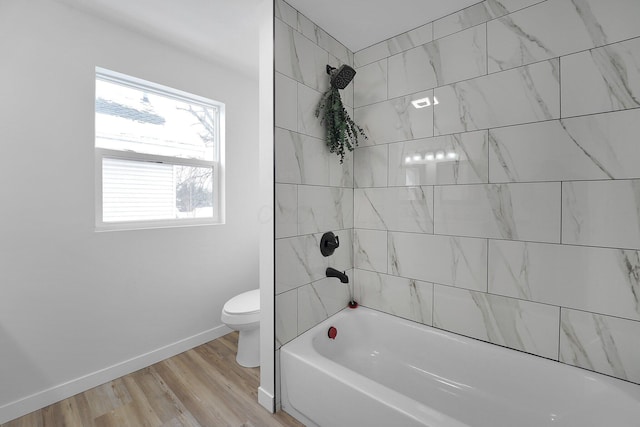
{"points": [[159, 155]]}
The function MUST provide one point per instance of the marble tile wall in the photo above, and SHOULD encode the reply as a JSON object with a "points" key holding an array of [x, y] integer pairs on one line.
{"points": [[430, 65], [507, 208], [314, 192], [555, 28]]}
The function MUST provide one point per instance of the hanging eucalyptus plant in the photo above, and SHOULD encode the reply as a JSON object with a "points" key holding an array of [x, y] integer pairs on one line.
{"points": [[342, 132]]}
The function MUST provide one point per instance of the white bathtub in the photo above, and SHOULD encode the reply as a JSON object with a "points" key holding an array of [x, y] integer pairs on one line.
{"points": [[384, 371]]}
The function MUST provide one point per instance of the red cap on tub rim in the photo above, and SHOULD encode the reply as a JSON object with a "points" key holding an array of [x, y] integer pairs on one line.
{"points": [[333, 332]]}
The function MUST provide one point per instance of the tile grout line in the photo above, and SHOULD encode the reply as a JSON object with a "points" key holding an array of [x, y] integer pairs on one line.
{"points": [[297, 210], [497, 239], [466, 289], [433, 113], [453, 184], [386, 238], [388, 165], [559, 331], [387, 79], [560, 88], [528, 123], [488, 245], [561, 208], [433, 36], [433, 302], [499, 71], [433, 30], [433, 206], [486, 46]]}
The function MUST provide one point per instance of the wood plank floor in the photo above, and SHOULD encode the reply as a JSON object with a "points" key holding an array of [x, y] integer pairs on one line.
{"points": [[203, 387]]}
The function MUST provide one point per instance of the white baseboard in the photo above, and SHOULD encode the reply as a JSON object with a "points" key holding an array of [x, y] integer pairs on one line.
{"points": [[266, 399], [62, 391]]}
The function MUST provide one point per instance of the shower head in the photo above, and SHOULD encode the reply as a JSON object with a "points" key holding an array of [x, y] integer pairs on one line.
{"points": [[341, 77]]}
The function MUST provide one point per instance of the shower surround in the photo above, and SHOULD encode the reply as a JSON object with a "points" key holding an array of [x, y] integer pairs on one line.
{"points": [[314, 192], [507, 209]]}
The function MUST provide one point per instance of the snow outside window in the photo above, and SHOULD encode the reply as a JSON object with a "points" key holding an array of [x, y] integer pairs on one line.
{"points": [[158, 155]]}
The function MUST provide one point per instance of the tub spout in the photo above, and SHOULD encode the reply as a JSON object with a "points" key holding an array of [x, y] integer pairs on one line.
{"points": [[332, 272]]}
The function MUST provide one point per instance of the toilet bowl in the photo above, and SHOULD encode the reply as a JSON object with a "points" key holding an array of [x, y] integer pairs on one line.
{"points": [[242, 313]]}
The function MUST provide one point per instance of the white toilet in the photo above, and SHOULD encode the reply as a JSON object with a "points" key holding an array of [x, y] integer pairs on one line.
{"points": [[242, 313]]}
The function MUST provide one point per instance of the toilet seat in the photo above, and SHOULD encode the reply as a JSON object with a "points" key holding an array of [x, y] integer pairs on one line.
{"points": [[242, 309], [245, 303]]}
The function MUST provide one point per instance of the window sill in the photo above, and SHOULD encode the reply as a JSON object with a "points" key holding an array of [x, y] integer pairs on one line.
{"points": [[150, 225]]}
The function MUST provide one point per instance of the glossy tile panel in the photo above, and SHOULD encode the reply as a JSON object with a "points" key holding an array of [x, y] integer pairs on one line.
{"points": [[501, 211], [461, 159], [471, 16], [603, 79], [314, 191], [370, 164], [559, 27], [395, 120], [323, 209], [340, 51], [456, 261], [286, 210], [370, 250], [304, 159], [601, 213], [600, 343], [513, 323], [599, 280], [371, 84], [311, 31], [308, 123], [286, 101], [579, 148], [394, 209], [286, 13], [321, 38], [608, 139], [297, 57], [286, 317], [525, 94], [319, 300], [340, 174], [517, 170], [458, 57], [477, 14], [407, 298], [400, 43], [299, 261]]}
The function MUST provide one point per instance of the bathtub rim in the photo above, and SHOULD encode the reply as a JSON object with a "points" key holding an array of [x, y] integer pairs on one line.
{"points": [[339, 371]]}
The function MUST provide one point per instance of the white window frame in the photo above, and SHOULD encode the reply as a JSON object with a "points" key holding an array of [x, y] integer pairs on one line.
{"points": [[217, 164]]}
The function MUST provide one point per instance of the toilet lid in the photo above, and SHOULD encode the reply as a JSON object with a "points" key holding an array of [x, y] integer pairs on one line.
{"points": [[247, 302]]}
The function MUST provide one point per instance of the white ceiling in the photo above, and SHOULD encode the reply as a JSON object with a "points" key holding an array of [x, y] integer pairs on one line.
{"points": [[226, 31], [360, 23]]}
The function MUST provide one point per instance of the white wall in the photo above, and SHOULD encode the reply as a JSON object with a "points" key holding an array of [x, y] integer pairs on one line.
{"points": [[266, 392], [73, 301]]}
